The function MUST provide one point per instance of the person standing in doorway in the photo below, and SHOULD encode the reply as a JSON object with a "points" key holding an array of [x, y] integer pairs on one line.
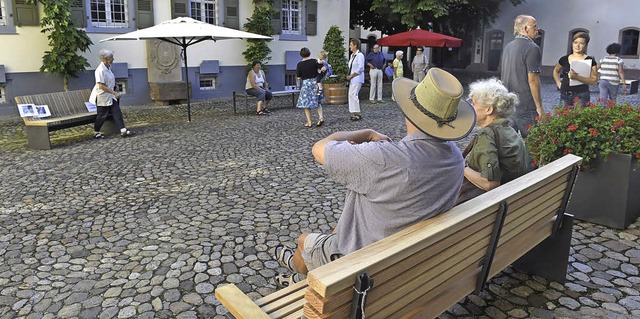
{"points": [[355, 78], [376, 62], [520, 72], [419, 65]]}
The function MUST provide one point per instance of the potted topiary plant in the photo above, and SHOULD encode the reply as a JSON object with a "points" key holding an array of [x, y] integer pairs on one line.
{"points": [[335, 86], [607, 137]]}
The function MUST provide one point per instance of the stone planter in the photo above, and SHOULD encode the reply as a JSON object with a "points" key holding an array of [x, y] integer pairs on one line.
{"points": [[335, 93], [608, 195]]}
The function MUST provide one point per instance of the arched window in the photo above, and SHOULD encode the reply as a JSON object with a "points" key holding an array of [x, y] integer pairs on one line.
{"points": [[539, 40], [629, 42], [571, 34]]}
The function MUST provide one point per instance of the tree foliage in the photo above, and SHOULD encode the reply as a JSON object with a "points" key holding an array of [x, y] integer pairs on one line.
{"points": [[259, 23], [334, 44], [65, 41], [452, 17]]}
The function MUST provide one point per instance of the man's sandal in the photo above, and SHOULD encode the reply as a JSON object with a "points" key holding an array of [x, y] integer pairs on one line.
{"points": [[284, 256], [283, 281]]}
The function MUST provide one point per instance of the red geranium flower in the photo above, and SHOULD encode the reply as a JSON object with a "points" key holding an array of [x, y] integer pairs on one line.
{"points": [[572, 127]]}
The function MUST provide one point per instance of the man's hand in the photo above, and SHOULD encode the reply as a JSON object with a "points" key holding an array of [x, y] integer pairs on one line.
{"points": [[354, 137]]}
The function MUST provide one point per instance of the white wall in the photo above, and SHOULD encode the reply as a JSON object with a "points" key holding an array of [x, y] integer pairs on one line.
{"points": [[603, 19]]}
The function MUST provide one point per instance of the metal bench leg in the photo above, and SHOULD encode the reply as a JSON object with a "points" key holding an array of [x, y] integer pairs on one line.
{"points": [[550, 258], [38, 137], [246, 104], [234, 102]]}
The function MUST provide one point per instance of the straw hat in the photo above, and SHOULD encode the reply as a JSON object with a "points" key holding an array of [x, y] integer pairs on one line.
{"points": [[435, 106]]}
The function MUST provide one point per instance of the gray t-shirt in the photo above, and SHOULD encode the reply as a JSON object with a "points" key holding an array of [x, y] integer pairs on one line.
{"points": [[392, 185], [520, 57]]}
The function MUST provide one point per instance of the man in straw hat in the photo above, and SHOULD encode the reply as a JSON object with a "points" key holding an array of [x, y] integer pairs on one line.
{"points": [[390, 185]]}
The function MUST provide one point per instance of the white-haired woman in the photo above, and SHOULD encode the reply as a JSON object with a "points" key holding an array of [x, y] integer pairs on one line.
{"points": [[398, 71], [497, 154], [106, 97]]}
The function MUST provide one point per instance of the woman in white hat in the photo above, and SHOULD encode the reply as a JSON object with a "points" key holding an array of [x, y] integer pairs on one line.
{"points": [[497, 154], [397, 67]]}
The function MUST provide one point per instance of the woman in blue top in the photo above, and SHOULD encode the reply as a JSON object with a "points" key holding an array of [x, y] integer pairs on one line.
{"points": [[563, 72]]}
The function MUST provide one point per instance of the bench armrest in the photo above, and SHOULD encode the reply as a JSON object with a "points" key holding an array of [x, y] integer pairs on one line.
{"points": [[238, 304]]}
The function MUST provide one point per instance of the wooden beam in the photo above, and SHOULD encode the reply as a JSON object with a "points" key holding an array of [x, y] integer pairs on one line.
{"points": [[238, 304]]}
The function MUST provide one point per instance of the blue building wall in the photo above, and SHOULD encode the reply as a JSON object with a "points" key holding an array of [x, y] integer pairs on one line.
{"points": [[230, 78]]}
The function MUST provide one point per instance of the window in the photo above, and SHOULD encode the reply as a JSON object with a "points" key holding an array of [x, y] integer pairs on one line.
{"points": [[109, 13], [3, 10], [291, 17], [122, 85], [205, 10], [207, 82], [290, 80], [629, 42], [3, 95]]}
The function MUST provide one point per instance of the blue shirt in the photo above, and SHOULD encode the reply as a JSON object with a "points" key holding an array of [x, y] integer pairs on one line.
{"points": [[377, 60], [392, 185]]}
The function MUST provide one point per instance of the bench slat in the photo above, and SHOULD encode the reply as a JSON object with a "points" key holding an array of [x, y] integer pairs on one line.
{"points": [[285, 298], [238, 304]]}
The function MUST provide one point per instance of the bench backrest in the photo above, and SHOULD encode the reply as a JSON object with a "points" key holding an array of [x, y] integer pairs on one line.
{"points": [[428, 267], [60, 103]]}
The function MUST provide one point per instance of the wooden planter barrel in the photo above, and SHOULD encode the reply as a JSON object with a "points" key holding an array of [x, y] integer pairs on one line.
{"points": [[335, 93], [608, 195]]}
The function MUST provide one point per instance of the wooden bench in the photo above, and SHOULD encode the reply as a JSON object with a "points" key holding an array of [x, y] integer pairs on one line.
{"points": [[275, 93], [67, 110], [423, 270]]}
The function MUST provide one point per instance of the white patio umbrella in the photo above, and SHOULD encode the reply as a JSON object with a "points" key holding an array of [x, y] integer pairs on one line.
{"points": [[184, 32]]}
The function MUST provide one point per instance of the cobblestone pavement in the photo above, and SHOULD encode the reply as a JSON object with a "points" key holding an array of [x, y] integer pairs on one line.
{"points": [[149, 226]]}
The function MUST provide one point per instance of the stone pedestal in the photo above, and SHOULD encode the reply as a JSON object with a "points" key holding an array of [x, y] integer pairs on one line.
{"points": [[164, 93]]}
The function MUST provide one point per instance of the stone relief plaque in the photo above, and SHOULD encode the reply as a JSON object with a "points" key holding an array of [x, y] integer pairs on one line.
{"points": [[163, 61]]}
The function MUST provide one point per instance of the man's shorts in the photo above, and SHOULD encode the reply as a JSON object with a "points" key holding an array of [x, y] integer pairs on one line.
{"points": [[320, 249]]}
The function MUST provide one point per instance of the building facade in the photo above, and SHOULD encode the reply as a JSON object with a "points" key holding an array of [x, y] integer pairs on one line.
{"points": [[606, 23], [216, 69]]}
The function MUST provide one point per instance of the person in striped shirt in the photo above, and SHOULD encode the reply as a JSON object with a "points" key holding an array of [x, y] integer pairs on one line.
{"points": [[611, 73]]}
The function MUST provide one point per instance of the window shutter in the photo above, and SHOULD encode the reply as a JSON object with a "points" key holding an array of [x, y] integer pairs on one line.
{"points": [[312, 14], [78, 14], [144, 14], [276, 19], [231, 19], [179, 8], [25, 13]]}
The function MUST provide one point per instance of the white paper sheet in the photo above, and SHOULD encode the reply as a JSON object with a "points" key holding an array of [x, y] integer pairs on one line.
{"points": [[583, 68]]}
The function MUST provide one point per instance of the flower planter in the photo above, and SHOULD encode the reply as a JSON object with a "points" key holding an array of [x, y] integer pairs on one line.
{"points": [[608, 195], [335, 93]]}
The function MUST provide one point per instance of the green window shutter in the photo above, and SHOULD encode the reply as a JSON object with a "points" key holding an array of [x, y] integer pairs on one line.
{"points": [[144, 14], [25, 13], [179, 8], [276, 19], [312, 17], [78, 13], [231, 18]]}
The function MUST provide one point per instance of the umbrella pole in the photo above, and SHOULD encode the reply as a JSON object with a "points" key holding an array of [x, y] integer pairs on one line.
{"points": [[186, 76]]}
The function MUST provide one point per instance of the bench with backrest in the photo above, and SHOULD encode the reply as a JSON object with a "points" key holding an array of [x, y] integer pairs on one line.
{"points": [[423, 270], [67, 109], [243, 94]]}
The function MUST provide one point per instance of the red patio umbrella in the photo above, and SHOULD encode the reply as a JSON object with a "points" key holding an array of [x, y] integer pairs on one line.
{"points": [[419, 37]]}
